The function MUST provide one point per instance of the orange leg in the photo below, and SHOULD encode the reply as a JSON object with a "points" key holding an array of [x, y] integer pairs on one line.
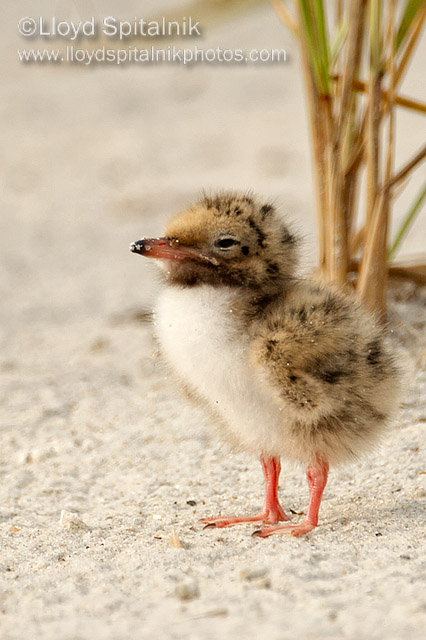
{"points": [[316, 474], [271, 513]]}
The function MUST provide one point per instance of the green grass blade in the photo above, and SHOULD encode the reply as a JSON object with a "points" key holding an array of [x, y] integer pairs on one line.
{"points": [[375, 35], [318, 60], [322, 40], [412, 7], [307, 32], [413, 211], [338, 40]]}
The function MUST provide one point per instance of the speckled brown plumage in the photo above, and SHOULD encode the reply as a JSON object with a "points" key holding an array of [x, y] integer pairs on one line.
{"points": [[290, 368], [329, 360]]}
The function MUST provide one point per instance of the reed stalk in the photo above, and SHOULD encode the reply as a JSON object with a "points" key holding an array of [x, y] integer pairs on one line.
{"points": [[374, 263], [353, 131]]}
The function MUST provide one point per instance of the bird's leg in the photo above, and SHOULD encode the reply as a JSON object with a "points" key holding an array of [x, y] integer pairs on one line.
{"points": [[316, 474], [271, 512]]}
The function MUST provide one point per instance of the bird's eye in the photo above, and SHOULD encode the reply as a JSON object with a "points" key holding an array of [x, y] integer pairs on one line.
{"points": [[226, 243]]}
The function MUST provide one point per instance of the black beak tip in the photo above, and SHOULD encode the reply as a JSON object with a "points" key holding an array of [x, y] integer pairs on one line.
{"points": [[136, 247]]}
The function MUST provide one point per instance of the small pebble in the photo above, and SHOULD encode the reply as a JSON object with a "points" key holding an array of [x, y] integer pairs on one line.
{"points": [[175, 541], [187, 591], [258, 578], [252, 574], [72, 522]]}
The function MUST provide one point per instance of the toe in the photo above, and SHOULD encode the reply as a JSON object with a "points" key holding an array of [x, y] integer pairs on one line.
{"points": [[302, 529], [289, 529]]}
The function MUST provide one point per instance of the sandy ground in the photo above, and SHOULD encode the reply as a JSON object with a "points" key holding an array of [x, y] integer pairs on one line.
{"points": [[91, 160]]}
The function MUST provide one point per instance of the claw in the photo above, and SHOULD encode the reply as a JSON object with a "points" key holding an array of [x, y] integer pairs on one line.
{"points": [[211, 525]]}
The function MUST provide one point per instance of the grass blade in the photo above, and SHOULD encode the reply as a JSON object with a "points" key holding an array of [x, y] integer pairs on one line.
{"points": [[375, 36], [409, 166], [322, 41], [409, 219], [410, 12], [284, 15], [316, 54], [338, 41], [411, 43]]}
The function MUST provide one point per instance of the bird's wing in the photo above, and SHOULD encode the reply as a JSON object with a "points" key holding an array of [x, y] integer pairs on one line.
{"points": [[308, 348]]}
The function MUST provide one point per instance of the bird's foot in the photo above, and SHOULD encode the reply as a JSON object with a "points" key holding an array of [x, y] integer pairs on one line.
{"points": [[272, 516], [291, 529]]}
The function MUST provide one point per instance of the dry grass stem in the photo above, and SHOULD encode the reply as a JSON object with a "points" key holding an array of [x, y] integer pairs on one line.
{"points": [[353, 57], [348, 125], [416, 31], [371, 270], [284, 15], [316, 120], [407, 168], [357, 241], [401, 101], [373, 274], [414, 272]]}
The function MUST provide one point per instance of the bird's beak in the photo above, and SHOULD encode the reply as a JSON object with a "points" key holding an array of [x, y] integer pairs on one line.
{"points": [[168, 249]]}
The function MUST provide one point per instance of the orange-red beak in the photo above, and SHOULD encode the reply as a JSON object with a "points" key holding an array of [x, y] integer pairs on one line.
{"points": [[168, 249]]}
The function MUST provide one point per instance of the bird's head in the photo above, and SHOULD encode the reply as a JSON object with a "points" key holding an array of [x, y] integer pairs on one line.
{"points": [[230, 239]]}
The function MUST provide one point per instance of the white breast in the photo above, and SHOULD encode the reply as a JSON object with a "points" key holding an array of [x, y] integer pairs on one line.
{"points": [[206, 344]]}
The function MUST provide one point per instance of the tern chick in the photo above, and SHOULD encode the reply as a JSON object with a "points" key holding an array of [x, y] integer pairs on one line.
{"points": [[286, 367]]}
